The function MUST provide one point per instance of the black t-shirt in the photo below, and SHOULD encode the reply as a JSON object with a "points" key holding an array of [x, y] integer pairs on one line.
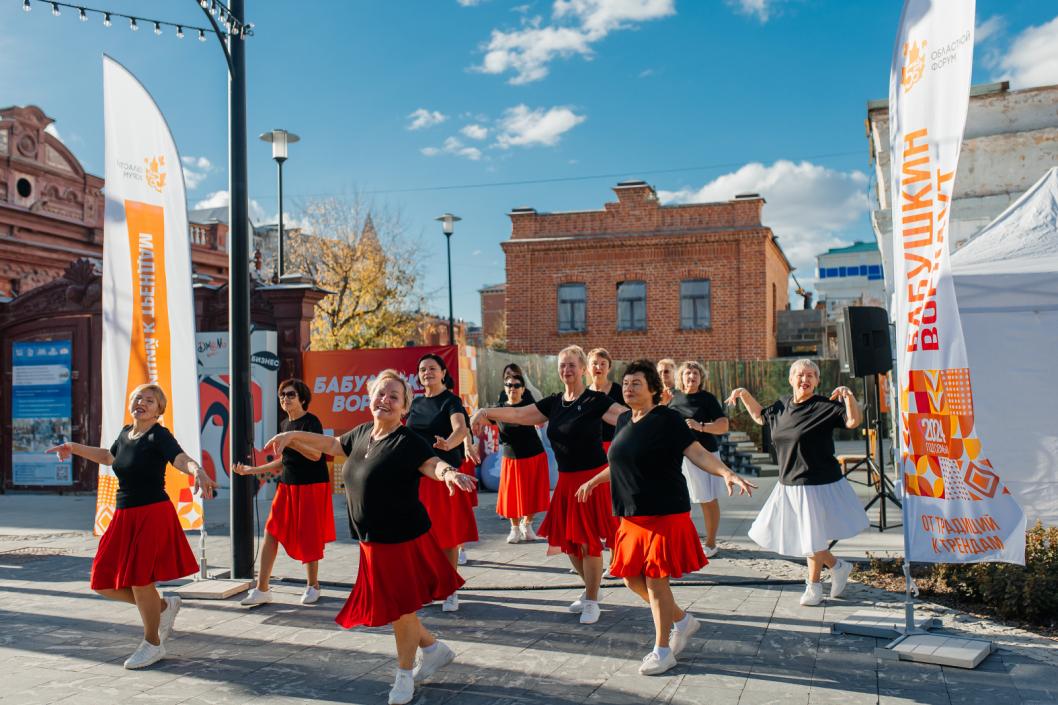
{"points": [[803, 435], [297, 469], [519, 441], [646, 464], [382, 484], [432, 416], [703, 407], [575, 429], [618, 397], [140, 465]]}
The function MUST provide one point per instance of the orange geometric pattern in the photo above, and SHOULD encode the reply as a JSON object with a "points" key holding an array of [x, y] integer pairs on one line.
{"points": [[941, 452], [106, 498]]}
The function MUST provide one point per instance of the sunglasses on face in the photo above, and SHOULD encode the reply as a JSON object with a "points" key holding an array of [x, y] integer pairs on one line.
{"points": [[512, 385], [289, 394]]}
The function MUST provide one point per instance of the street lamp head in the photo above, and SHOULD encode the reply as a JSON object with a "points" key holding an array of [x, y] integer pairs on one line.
{"points": [[448, 222], [279, 139]]}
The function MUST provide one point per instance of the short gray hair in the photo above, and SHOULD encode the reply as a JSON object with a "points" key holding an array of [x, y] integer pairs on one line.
{"points": [[804, 362]]}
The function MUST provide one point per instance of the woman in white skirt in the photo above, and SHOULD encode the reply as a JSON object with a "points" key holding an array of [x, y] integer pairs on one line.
{"points": [[705, 417], [812, 504]]}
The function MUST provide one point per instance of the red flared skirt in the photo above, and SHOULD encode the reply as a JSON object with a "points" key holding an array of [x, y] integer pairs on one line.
{"points": [[302, 520], [396, 579], [452, 519], [606, 446], [579, 528], [469, 468], [525, 487], [663, 546], [141, 546]]}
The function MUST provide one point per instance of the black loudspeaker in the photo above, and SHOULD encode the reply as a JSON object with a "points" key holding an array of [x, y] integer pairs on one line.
{"points": [[863, 341]]}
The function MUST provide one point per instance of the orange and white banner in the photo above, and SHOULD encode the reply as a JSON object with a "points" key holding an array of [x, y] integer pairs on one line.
{"points": [[957, 508], [148, 304]]}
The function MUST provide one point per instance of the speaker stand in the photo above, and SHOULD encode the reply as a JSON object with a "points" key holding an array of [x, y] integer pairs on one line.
{"points": [[884, 490]]}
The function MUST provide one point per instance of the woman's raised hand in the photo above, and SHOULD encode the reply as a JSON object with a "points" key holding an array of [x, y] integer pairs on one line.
{"points": [[842, 393], [63, 450], [736, 394], [278, 442]]}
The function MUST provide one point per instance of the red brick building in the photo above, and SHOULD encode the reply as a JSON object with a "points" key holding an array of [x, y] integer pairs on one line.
{"points": [[51, 209], [701, 281], [494, 312]]}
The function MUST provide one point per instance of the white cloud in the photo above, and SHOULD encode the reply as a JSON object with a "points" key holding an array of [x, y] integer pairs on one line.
{"points": [[809, 207], [576, 26], [761, 9], [469, 3], [453, 146], [196, 169], [988, 28], [425, 118], [646, 73], [218, 199], [1032, 59], [475, 132], [522, 127]]}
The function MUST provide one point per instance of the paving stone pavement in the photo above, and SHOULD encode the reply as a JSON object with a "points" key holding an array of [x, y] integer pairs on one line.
{"points": [[515, 641]]}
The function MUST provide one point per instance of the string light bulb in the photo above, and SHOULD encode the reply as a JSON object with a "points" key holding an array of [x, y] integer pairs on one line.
{"points": [[55, 9], [26, 6], [232, 26], [179, 32], [106, 19], [132, 25], [158, 28], [82, 15], [201, 35]]}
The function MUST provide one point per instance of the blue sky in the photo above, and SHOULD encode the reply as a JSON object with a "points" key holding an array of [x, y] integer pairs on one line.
{"points": [[702, 98]]}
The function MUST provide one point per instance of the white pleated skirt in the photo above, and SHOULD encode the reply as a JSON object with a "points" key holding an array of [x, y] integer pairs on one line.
{"points": [[702, 486], [799, 520]]}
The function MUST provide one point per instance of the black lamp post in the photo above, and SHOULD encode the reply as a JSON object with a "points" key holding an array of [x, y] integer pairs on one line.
{"points": [[448, 222], [280, 139], [239, 389]]}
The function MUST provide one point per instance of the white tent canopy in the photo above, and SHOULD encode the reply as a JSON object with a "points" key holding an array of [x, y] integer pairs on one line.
{"points": [[1006, 283]]}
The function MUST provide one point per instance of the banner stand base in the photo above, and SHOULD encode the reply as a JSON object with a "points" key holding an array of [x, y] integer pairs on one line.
{"points": [[939, 649], [212, 588], [880, 624]]}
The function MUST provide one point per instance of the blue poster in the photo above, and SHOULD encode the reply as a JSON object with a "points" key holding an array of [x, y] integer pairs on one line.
{"points": [[41, 409]]}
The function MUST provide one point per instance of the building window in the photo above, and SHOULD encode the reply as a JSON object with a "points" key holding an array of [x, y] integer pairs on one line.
{"points": [[572, 302], [632, 306], [694, 303]]}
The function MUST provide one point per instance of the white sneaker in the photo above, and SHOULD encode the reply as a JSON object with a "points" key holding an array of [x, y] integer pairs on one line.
{"points": [[431, 661], [165, 625], [144, 655], [515, 536], [527, 532], [461, 559], [813, 594], [653, 664], [839, 577], [590, 613], [678, 637], [403, 689], [577, 606], [256, 597], [710, 551], [311, 595], [451, 603]]}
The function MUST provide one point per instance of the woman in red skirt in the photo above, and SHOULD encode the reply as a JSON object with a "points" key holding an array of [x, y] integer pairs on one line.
{"points": [[525, 488], [656, 539], [302, 517], [144, 543], [402, 567], [438, 417], [599, 365], [578, 529]]}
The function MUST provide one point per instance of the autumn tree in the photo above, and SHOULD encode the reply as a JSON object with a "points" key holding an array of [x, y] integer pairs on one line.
{"points": [[364, 257]]}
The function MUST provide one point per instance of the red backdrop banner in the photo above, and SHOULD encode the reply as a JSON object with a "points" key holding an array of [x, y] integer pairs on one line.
{"points": [[339, 380]]}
